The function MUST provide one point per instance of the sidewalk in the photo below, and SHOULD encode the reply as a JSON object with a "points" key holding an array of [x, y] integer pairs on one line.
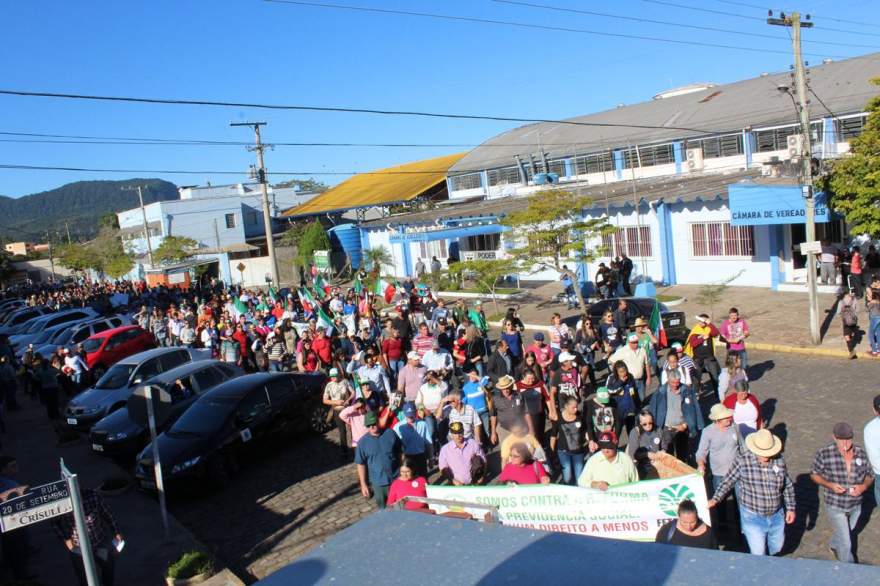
{"points": [[775, 318], [30, 438]]}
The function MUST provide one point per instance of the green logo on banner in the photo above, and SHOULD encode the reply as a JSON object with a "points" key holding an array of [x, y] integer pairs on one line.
{"points": [[672, 495]]}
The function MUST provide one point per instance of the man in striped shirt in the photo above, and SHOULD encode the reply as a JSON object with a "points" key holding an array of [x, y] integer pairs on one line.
{"points": [[423, 342], [685, 363]]}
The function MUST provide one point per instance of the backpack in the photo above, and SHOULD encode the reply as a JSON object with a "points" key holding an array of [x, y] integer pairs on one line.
{"points": [[848, 315]]}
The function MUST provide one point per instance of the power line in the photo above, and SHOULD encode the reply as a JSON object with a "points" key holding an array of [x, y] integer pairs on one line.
{"points": [[525, 25], [747, 17], [668, 23], [168, 101], [759, 7]]}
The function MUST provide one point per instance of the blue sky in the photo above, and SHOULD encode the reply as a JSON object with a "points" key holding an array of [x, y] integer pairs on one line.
{"points": [[253, 51]]}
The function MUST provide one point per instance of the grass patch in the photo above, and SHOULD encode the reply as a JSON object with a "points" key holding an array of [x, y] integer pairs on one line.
{"points": [[190, 564], [667, 298]]}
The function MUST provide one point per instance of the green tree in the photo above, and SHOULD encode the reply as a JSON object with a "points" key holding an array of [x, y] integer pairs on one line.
{"points": [[711, 293], [77, 257], [5, 266], [310, 185], [375, 257], [853, 181], [551, 230], [175, 248], [487, 274], [118, 265], [312, 237]]}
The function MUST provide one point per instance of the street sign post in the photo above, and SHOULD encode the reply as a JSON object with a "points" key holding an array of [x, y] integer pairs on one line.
{"points": [[157, 464], [39, 503], [79, 516], [812, 247]]}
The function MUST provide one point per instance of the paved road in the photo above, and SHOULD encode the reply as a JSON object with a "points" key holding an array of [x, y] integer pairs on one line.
{"points": [[290, 500]]}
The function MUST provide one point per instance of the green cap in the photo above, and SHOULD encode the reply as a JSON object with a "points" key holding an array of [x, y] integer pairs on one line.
{"points": [[370, 419], [602, 395]]}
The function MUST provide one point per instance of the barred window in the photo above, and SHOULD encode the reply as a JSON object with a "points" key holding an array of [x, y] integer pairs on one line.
{"points": [[777, 138], [594, 163], [462, 182], [722, 239], [484, 242], [656, 155], [632, 240], [505, 176], [849, 128], [558, 167], [718, 146], [432, 248]]}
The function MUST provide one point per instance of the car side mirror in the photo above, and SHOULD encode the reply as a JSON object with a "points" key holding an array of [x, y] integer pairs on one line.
{"points": [[137, 381]]}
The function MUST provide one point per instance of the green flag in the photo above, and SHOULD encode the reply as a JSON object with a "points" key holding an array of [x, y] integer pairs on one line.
{"points": [[358, 287], [272, 294], [324, 320], [239, 306]]}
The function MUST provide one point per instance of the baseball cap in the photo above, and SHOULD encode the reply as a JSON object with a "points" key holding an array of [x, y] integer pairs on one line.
{"points": [[632, 338], [843, 430], [703, 317], [676, 346], [409, 409], [370, 419], [607, 441], [413, 356], [334, 372], [538, 336], [602, 395], [565, 356], [456, 427]]}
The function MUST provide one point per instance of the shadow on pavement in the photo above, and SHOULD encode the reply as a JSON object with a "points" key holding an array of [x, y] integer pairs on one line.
{"points": [[829, 317], [768, 410], [807, 512], [756, 371]]}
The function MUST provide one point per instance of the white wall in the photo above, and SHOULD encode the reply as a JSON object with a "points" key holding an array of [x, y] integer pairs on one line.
{"points": [[699, 270], [254, 273]]}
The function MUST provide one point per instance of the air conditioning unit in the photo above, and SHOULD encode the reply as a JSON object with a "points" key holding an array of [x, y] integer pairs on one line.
{"points": [[695, 159], [795, 146]]}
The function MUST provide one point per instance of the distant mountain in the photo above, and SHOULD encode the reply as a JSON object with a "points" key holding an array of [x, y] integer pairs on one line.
{"points": [[80, 204]]}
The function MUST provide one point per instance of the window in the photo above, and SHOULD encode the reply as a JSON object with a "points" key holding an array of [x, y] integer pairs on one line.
{"points": [[505, 176], [722, 239], [253, 405], [595, 163], [484, 242], [230, 221], [656, 155], [469, 181], [280, 389], [148, 370], [633, 240], [849, 128], [250, 219], [207, 378], [777, 138], [101, 326], [718, 146], [433, 248], [558, 167]]}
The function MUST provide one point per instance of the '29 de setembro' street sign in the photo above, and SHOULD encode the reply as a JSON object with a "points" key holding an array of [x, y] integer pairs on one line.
{"points": [[38, 504]]}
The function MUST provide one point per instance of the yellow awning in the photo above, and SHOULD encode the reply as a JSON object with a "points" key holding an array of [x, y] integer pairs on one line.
{"points": [[383, 186]]}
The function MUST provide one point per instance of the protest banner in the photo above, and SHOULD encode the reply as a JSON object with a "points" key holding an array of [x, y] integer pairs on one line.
{"points": [[628, 511]]}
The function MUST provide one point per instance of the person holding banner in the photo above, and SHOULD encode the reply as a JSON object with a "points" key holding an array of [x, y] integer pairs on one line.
{"points": [[522, 468], [608, 467], [687, 530], [461, 457], [677, 412], [765, 492]]}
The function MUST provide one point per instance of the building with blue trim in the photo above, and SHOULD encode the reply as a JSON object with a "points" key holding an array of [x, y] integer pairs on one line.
{"points": [[700, 182]]}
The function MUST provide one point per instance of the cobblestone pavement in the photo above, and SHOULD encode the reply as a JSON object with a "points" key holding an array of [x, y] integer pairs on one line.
{"points": [[294, 498]]}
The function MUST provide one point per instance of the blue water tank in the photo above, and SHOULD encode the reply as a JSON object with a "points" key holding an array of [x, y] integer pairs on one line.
{"points": [[348, 238]]}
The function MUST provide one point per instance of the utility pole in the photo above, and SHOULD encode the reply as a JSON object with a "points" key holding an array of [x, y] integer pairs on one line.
{"points": [[259, 147], [144, 216], [67, 227], [216, 236], [51, 260], [794, 21]]}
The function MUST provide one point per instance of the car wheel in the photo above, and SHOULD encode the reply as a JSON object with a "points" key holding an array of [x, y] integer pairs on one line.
{"points": [[320, 420]]}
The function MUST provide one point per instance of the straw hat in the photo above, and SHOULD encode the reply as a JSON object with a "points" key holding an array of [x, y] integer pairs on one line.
{"points": [[763, 443], [719, 411], [640, 321], [505, 382]]}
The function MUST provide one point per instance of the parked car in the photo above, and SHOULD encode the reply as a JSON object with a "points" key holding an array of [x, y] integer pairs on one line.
{"points": [[76, 334], [125, 431], [50, 321], [17, 321], [8, 306], [112, 390], [673, 321], [105, 349], [240, 415]]}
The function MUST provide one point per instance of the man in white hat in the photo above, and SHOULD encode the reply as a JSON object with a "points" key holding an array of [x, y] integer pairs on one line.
{"points": [[337, 395], [411, 377], [636, 360], [718, 446], [766, 493], [566, 381], [507, 409]]}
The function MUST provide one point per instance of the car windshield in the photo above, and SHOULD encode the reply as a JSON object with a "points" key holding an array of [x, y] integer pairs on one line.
{"points": [[92, 345], [62, 336], [117, 377], [204, 417], [36, 326], [43, 337]]}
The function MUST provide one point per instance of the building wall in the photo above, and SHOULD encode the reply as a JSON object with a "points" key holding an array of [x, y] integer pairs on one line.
{"points": [[19, 248]]}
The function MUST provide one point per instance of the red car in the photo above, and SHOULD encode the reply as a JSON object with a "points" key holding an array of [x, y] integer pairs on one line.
{"points": [[105, 349]]}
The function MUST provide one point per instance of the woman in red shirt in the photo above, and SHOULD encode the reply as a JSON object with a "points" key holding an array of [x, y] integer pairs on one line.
{"points": [[522, 468], [407, 484], [308, 359]]}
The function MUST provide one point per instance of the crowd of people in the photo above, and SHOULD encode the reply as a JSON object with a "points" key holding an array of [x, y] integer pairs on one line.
{"points": [[419, 391]]}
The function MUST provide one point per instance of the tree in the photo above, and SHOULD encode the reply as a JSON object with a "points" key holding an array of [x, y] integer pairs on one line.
{"points": [[77, 257], [175, 248], [551, 230], [375, 257], [314, 237], [711, 293], [853, 182], [487, 274], [104, 254], [310, 185]]}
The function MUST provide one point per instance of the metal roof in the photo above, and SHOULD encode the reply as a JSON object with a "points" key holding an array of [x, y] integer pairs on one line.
{"points": [[381, 187], [619, 193], [843, 86]]}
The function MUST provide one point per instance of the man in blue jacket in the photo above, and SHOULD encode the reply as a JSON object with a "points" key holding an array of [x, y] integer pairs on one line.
{"points": [[677, 414]]}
